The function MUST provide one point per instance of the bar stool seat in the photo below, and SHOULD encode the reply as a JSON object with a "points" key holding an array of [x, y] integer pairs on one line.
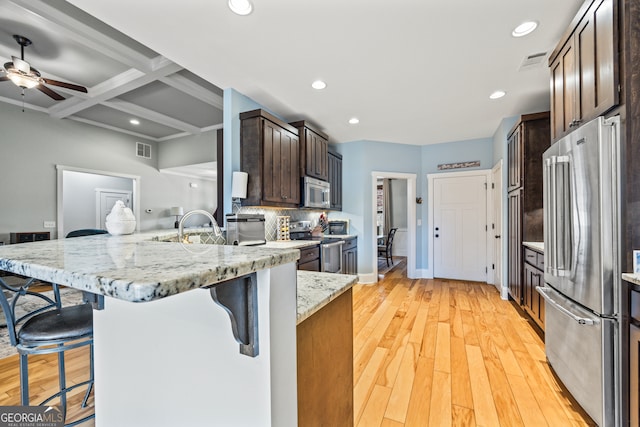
{"points": [[48, 329], [66, 323]]}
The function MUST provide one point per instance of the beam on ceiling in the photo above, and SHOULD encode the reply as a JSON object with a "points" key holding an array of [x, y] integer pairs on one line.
{"points": [[154, 116], [115, 86], [86, 35], [189, 87]]}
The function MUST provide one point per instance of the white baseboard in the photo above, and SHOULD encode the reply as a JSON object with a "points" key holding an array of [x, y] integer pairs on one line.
{"points": [[367, 279], [424, 273], [504, 293]]}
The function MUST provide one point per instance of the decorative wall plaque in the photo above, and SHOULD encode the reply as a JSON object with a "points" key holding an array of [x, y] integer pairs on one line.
{"points": [[459, 165]]}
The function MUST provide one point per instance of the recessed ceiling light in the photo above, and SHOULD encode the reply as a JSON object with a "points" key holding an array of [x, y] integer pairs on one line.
{"points": [[240, 7], [134, 122], [524, 29], [497, 94], [354, 120], [318, 84]]}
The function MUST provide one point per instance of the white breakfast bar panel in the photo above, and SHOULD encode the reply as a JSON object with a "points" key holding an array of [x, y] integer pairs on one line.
{"points": [[175, 362], [165, 354]]}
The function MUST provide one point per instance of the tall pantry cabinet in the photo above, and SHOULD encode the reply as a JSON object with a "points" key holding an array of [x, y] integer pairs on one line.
{"points": [[527, 140]]}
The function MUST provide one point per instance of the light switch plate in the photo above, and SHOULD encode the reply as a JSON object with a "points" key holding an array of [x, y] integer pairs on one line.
{"points": [[49, 224]]}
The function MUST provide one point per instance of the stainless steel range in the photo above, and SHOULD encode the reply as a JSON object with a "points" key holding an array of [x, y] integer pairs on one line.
{"points": [[330, 247]]}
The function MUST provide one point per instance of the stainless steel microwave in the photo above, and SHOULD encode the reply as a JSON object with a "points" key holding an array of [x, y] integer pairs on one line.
{"points": [[315, 193]]}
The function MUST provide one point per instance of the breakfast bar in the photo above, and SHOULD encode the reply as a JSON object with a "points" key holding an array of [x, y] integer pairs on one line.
{"points": [[169, 348]]}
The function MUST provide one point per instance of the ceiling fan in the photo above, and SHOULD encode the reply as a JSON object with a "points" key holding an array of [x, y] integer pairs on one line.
{"points": [[25, 76]]}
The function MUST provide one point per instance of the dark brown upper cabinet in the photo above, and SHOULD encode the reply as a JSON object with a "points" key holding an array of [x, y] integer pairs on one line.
{"points": [[314, 146], [270, 154], [335, 180], [584, 68]]}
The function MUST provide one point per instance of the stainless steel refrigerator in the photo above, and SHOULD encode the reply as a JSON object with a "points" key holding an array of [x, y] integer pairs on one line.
{"points": [[582, 272]]}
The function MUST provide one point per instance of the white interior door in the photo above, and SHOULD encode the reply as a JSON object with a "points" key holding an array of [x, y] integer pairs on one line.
{"points": [[105, 200], [460, 227], [496, 227]]}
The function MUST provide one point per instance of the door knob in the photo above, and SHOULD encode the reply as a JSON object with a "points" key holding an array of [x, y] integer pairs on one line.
{"points": [[437, 235], [437, 229], [497, 236]]}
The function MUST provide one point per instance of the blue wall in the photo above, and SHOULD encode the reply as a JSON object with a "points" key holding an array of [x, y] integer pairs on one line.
{"points": [[234, 104], [360, 158]]}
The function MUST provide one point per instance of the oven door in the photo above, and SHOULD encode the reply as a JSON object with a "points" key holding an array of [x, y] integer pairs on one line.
{"points": [[331, 257]]}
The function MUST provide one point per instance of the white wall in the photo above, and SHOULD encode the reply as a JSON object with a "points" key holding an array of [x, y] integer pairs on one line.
{"points": [[32, 144]]}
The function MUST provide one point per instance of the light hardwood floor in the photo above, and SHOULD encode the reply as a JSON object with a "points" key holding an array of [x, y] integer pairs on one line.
{"points": [[426, 353], [450, 353]]}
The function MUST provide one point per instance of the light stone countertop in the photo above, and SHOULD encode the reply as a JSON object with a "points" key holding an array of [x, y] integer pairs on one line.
{"points": [[142, 267], [139, 267], [315, 290], [536, 246], [631, 277], [290, 244]]}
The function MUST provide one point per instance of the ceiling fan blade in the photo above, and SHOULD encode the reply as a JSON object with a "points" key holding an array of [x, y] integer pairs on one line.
{"points": [[55, 95], [65, 85], [21, 65]]}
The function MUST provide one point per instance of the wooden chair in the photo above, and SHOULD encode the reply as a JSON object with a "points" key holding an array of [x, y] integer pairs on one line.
{"points": [[385, 249]]}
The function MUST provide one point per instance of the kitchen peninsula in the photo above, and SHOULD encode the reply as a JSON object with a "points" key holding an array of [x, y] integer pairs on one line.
{"points": [[165, 356]]}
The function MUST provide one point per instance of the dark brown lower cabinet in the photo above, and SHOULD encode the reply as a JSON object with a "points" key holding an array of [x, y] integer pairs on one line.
{"points": [[350, 256], [309, 259], [515, 245], [533, 276], [325, 365]]}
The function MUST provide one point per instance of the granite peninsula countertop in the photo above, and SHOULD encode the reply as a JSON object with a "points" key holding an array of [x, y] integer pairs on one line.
{"points": [[139, 267], [632, 277], [536, 246], [291, 244], [315, 290]]}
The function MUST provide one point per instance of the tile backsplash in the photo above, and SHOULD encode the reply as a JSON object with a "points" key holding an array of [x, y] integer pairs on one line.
{"points": [[270, 215]]}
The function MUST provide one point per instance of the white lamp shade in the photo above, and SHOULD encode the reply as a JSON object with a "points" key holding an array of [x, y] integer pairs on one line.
{"points": [[177, 210], [239, 185]]}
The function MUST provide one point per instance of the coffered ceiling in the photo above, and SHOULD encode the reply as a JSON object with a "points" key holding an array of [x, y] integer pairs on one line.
{"points": [[125, 79], [413, 71]]}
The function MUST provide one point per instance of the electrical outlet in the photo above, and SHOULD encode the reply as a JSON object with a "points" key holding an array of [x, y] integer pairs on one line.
{"points": [[49, 224]]}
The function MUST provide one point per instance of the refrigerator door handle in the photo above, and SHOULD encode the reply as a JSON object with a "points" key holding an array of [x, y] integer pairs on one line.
{"points": [[546, 293], [549, 212], [561, 215]]}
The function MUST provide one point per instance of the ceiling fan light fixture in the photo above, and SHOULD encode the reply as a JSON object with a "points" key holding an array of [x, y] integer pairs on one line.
{"points": [[24, 82], [241, 7], [497, 94]]}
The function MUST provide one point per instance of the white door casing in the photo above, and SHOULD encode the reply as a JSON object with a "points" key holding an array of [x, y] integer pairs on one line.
{"points": [[495, 232], [60, 174], [458, 244], [411, 224]]}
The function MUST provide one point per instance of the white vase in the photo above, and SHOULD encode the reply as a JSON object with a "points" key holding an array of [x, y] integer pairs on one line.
{"points": [[121, 220]]}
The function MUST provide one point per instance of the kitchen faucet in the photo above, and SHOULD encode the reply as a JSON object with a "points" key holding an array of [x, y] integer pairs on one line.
{"points": [[216, 229]]}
